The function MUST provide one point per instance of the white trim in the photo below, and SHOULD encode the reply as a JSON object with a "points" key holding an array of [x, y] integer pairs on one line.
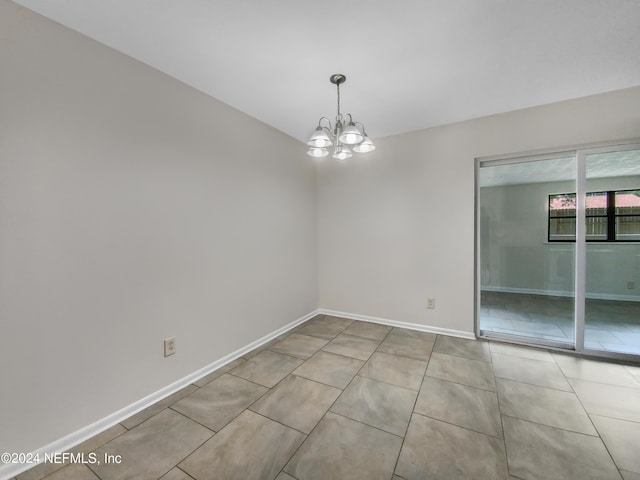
{"points": [[395, 323], [476, 250], [63, 444], [561, 293], [580, 272]]}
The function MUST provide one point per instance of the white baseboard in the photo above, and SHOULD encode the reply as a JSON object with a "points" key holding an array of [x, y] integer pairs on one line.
{"points": [[67, 442], [395, 323], [562, 293]]}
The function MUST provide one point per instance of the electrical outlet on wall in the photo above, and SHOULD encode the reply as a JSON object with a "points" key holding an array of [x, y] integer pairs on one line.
{"points": [[631, 285], [169, 346], [431, 303]]}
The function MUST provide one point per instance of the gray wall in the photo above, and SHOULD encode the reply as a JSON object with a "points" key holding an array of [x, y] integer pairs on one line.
{"points": [[385, 236], [132, 208], [517, 257]]}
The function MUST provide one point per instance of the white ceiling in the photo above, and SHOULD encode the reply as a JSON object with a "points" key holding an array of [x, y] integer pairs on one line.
{"points": [[410, 64]]}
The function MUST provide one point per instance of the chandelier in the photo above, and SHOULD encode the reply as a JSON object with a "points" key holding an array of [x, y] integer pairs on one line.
{"points": [[346, 133]]}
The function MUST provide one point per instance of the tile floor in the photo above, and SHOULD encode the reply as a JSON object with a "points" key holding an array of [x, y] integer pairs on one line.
{"points": [[609, 325], [343, 399]]}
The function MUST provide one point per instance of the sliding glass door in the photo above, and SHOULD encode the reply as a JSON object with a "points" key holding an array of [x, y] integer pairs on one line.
{"points": [[558, 249], [612, 254], [526, 281]]}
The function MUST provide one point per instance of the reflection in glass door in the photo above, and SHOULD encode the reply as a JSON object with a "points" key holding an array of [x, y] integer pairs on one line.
{"points": [[558, 250], [526, 234], [612, 266]]}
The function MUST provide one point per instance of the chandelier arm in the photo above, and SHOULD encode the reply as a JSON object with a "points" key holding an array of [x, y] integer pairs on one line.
{"points": [[364, 133], [328, 121]]}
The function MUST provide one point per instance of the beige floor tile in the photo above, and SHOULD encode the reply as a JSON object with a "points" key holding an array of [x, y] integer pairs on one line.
{"points": [[622, 438], [539, 452], [378, 404], [220, 401], [76, 471], [521, 351], [543, 405], [324, 326], [201, 382], [626, 475], [284, 476], [401, 371], [297, 402], [40, 471], [373, 331], [176, 474], [330, 369], [300, 346], [337, 321], [352, 346], [527, 370], [462, 347], [461, 405], [475, 373], [341, 448], [633, 370], [608, 400], [251, 447], [267, 368], [265, 346], [436, 450], [152, 448], [99, 439], [595, 371], [157, 407], [408, 343]]}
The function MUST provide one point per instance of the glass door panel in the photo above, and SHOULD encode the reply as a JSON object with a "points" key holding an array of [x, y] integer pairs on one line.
{"points": [[527, 227], [612, 265]]}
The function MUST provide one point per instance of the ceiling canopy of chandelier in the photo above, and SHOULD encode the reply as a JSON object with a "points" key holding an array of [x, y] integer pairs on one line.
{"points": [[346, 133]]}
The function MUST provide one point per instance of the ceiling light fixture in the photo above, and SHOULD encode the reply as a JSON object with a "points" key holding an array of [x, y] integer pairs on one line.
{"points": [[343, 135]]}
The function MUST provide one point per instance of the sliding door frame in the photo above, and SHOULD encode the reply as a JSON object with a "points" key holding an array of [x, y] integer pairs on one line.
{"points": [[579, 153]]}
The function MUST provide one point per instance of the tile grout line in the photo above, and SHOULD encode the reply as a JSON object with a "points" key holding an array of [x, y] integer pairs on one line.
{"points": [[413, 410], [589, 417], [306, 435], [269, 389], [343, 390], [504, 435], [351, 381], [293, 454]]}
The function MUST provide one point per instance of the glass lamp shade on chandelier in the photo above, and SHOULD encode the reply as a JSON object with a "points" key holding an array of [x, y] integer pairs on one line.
{"points": [[345, 136]]}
